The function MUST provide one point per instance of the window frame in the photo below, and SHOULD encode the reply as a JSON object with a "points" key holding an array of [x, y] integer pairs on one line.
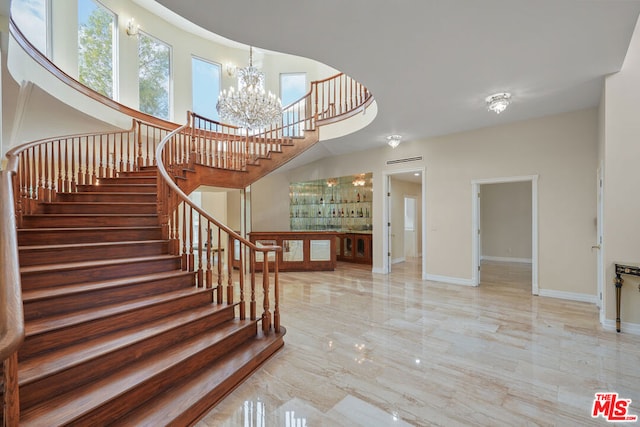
{"points": [[171, 73], [220, 69]]}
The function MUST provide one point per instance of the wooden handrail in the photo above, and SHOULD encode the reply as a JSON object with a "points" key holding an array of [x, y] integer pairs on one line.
{"points": [[11, 314], [180, 216], [37, 170], [11, 318], [46, 63]]}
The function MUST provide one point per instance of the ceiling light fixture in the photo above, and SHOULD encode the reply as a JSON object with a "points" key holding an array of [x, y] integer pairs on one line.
{"points": [[249, 106], [498, 102], [394, 140]]}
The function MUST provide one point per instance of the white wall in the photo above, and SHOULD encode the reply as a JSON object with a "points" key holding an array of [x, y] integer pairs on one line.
{"points": [[621, 158], [184, 45], [561, 149], [505, 221], [400, 190]]}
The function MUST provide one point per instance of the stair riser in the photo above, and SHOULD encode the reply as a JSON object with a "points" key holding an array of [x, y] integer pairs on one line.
{"points": [[41, 343], [209, 400], [130, 180], [148, 173], [39, 391], [163, 380], [91, 299], [74, 221], [97, 208], [56, 255], [106, 197], [118, 188], [94, 273], [63, 236]]}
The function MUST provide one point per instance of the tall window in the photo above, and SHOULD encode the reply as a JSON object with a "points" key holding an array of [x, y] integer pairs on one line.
{"points": [[154, 76], [293, 86], [205, 80], [96, 33], [31, 17]]}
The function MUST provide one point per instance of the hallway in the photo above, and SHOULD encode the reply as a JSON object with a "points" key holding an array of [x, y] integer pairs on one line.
{"points": [[364, 349]]}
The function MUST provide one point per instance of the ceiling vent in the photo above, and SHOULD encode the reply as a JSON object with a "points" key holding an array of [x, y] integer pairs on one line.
{"points": [[407, 160]]}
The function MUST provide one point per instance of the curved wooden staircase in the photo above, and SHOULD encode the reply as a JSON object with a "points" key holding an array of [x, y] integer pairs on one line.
{"points": [[123, 302], [116, 330]]}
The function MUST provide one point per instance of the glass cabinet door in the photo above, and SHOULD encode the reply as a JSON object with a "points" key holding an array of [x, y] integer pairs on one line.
{"points": [[348, 246], [361, 247]]}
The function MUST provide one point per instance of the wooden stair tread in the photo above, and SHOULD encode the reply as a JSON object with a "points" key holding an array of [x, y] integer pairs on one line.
{"points": [[31, 295], [98, 203], [82, 229], [122, 193], [88, 245], [178, 400], [65, 408], [50, 323], [41, 366], [93, 263], [56, 215]]}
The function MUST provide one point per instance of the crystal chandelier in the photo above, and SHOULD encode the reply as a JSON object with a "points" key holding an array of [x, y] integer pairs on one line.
{"points": [[498, 102], [249, 106]]}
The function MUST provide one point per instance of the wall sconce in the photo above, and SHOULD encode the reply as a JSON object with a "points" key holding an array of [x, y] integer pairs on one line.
{"points": [[230, 69], [132, 27]]}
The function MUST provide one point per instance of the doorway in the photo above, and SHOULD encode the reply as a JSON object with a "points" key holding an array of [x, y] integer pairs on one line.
{"points": [[502, 251], [405, 218]]}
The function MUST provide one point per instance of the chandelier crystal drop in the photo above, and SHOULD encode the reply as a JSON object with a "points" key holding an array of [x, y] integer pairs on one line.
{"points": [[498, 102], [249, 106]]}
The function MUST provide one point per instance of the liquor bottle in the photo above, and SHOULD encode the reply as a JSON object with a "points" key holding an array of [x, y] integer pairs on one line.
{"points": [[358, 197]]}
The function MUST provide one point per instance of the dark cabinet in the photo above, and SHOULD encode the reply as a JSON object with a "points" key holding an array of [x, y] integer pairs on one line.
{"points": [[354, 247]]}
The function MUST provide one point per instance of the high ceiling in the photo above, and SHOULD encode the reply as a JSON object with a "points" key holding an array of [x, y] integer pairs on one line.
{"points": [[431, 63]]}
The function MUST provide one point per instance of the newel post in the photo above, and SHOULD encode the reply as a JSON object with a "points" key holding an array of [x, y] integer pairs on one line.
{"points": [[276, 297], [266, 315], [11, 397]]}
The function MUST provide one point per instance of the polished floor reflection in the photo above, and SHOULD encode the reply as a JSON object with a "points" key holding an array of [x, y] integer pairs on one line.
{"points": [[365, 349]]}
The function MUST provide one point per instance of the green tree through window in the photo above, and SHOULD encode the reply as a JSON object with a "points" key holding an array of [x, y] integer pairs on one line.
{"points": [[95, 47], [154, 75]]}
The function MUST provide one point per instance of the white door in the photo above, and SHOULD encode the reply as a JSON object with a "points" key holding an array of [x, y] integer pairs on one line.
{"points": [[599, 240]]}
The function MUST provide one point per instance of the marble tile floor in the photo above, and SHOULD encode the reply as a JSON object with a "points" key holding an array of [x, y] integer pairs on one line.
{"points": [[366, 349]]}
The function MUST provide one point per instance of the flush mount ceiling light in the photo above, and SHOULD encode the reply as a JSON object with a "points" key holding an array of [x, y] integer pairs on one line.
{"points": [[498, 102], [394, 140]]}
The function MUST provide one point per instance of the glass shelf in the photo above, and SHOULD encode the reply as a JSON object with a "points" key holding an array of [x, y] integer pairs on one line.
{"points": [[335, 204]]}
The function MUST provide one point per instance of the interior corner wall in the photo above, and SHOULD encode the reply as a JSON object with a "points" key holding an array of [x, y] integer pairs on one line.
{"points": [[505, 221], [270, 203], [560, 149], [621, 205]]}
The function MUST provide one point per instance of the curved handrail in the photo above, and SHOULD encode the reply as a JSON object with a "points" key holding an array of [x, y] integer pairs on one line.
{"points": [[46, 63], [38, 169], [11, 315], [173, 186]]}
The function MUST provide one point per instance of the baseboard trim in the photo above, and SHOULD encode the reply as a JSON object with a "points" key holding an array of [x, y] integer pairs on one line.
{"points": [[378, 270], [397, 260], [506, 259], [625, 327], [449, 279], [572, 296]]}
